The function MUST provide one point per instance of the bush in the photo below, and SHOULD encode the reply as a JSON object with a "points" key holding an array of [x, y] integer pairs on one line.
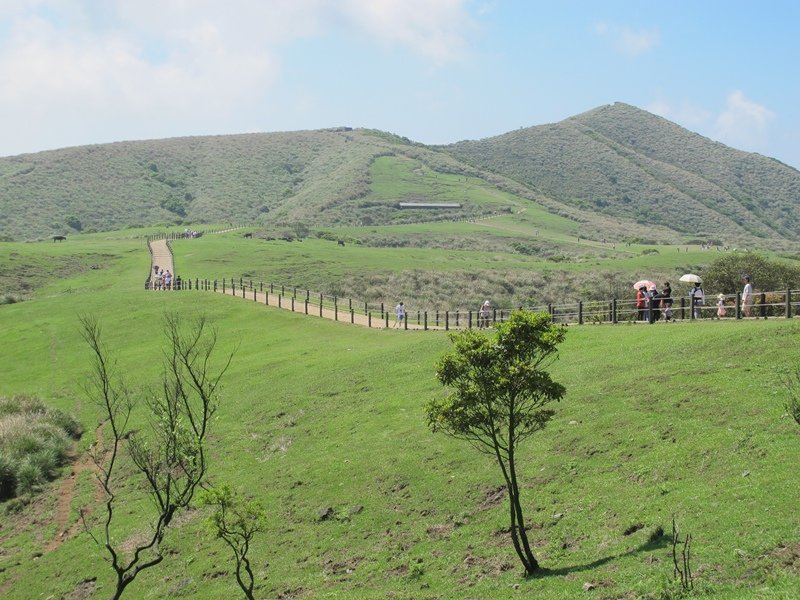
{"points": [[8, 477], [34, 442]]}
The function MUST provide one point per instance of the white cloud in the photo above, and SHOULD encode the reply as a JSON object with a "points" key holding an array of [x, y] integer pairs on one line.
{"points": [[743, 123], [627, 41], [172, 67], [436, 29]]}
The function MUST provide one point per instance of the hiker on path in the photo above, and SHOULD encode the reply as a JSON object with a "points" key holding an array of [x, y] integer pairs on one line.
{"points": [[400, 311], [698, 298], [484, 314], [747, 296]]}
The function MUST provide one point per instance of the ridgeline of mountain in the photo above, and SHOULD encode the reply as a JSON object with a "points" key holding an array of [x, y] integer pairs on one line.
{"points": [[625, 162], [616, 166]]}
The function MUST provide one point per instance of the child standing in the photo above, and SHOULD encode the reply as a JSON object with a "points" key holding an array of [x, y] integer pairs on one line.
{"points": [[721, 305]]}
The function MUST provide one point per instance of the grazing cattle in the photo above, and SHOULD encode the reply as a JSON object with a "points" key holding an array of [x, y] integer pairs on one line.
{"points": [[248, 235], [340, 242], [59, 238]]}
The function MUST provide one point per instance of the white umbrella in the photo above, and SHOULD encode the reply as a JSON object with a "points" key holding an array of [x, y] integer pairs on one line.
{"points": [[691, 278]]}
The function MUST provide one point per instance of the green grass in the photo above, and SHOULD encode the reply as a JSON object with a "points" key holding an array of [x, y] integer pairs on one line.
{"points": [[684, 419]]}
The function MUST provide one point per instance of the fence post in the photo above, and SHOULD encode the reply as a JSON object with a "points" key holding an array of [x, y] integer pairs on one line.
{"points": [[614, 311], [335, 310], [580, 312], [215, 285], [447, 320], [280, 297], [762, 299], [426, 320], [292, 303], [456, 319], [386, 316], [244, 290], [266, 298], [254, 295], [352, 316], [320, 305], [683, 308], [366, 309], [437, 317], [405, 321], [788, 304], [241, 282], [369, 320]]}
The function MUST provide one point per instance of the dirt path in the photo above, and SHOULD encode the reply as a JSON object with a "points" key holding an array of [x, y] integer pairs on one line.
{"points": [[66, 494], [342, 315], [161, 256]]}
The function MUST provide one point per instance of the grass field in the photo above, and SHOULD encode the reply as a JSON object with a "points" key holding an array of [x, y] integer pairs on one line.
{"points": [[683, 419]]}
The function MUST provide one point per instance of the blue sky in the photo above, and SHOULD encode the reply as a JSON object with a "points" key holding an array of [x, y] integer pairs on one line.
{"points": [[78, 72]]}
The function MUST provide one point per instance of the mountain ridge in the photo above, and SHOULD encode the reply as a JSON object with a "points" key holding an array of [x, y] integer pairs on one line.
{"points": [[614, 165]]}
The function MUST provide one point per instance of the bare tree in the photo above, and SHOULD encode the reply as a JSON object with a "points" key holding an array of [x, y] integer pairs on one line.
{"points": [[172, 457]]}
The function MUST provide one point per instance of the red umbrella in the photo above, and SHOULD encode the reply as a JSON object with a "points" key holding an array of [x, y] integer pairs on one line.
{"points": [[644, 283]]}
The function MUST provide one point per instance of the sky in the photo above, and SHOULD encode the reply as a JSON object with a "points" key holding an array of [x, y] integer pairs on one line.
{"points": [[78, 72]]}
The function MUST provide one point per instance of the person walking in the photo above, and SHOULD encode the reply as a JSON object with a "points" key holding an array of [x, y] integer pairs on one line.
{"points": [[721, 306], [400, 311], [698, 299], [747, 296], [484, 315]]}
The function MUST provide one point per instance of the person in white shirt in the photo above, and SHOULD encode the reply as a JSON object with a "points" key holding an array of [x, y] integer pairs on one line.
{"points": [[747, 296], [400, 311]]}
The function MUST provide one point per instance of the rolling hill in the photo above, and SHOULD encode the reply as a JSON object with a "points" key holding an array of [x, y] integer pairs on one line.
{"points": [[614, 170]]}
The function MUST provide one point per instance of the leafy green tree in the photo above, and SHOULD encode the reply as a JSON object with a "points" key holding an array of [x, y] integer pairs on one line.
{"points": [[725, 273], [499, 396], [172, 458], [236, 520]]}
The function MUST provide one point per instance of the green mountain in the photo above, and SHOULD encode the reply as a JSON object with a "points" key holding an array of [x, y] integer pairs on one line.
{"points": [[615, 169], [621, 161]]}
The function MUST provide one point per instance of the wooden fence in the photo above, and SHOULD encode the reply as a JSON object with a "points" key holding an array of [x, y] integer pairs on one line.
{"points": [[781, 304]]}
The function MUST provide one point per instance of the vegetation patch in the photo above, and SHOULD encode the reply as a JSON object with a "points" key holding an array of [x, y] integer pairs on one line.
{"points": [[34, 442]]}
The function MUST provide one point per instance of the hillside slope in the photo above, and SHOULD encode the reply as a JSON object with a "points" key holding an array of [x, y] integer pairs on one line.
{"points": [[615, 169], [623, 161]]}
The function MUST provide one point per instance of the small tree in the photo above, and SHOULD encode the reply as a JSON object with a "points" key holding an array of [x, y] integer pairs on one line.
{"points": [[499, 396], [237, 521], [172, 459]]}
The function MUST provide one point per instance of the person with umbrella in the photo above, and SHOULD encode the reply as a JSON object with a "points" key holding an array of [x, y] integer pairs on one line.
{"points": [[666, 301], [698, 298], [641, 303]]}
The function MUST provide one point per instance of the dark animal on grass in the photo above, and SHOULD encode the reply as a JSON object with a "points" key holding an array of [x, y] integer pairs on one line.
{"points": [[59, 238], [248, 235], [340, 242]]}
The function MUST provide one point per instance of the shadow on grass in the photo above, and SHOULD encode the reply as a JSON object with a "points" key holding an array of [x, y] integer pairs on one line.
{"points": [[655, 543]]}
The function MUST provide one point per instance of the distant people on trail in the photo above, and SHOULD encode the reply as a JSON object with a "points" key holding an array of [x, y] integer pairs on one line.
{"points": [[698, 297], [747, 296], [484, 315], [167, 280], [641, 303], [400, 311], [721, 306]]}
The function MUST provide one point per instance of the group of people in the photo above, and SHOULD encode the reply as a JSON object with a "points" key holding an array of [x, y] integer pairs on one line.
{"points": [[164, 280], [653, 305]]}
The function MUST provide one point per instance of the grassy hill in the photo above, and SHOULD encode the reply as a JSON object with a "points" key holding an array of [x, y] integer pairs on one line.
{"points": [[620, 160], [617, 172], [682, 420]]}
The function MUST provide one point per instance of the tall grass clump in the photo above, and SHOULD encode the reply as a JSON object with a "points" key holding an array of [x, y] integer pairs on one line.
{"points": [[34, 443]]}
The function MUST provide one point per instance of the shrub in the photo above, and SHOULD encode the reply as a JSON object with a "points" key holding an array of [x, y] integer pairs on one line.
{"points": [[34, 442]]}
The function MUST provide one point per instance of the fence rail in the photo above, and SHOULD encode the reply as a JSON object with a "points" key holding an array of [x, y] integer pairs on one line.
{"points": [[776, 304]]}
